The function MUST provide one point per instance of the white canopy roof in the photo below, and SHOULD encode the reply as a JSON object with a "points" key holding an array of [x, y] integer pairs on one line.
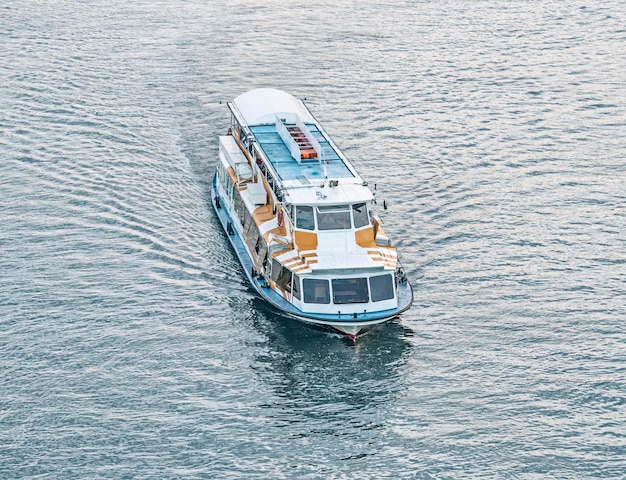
{"points": [[346, 192], [260, 106]]}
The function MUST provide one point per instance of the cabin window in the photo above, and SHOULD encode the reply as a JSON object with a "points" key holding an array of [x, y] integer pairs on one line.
{"points": [[350, 290], [333, 218], [261, 258], [251, 234], [264, 254], [276, 267], [359, 212], [296, 286], [304, 218], [315, 290], [225, 179], [240, 207], [381, 287], [284, 279]]}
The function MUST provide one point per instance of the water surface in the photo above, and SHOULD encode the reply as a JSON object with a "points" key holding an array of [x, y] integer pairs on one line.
{"points": [[130, 345]]}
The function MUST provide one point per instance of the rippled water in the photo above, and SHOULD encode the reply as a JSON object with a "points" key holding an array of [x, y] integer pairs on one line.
{"points": [[130, 345]]}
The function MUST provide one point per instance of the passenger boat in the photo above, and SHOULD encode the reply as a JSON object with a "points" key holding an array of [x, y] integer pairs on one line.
{"points": [[299, 218]]}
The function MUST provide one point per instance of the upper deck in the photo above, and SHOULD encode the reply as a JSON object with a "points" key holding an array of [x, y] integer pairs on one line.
{"points": [[330, 164], [302, 157]]}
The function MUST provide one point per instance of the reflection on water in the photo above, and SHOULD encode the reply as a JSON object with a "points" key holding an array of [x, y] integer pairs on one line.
{"points": [[315, 373]]}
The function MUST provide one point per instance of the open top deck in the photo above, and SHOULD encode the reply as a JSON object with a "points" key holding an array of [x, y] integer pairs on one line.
{"points": [[329, 164], [291, 139]]}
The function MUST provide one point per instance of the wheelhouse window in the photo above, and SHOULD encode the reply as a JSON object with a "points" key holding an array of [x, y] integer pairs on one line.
{"points": [[381, 287], [335, 217], [315, 290], [304, 217], [350, 290], [359, 212]]}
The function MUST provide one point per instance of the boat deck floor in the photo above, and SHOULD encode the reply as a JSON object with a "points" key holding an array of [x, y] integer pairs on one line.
{"points": [[288, 168]]}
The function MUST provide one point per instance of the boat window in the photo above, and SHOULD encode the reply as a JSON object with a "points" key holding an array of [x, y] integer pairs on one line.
{"points": [[304, 218], [284, 279], [281, 275], [224, 177], [350, 290], [333, 218], [240, 208], [381, 287], [261, 258], [315, 290], [276, 267], [296, 286], [361, 218]]}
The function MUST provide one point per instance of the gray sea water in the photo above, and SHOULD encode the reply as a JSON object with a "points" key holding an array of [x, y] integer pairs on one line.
{"points": [[130, 344]]}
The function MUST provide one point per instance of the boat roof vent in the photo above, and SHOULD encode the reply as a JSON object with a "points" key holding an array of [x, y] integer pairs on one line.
{"points": [[298, 139]]}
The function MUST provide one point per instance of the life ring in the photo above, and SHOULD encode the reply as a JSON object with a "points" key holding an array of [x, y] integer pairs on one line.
{"points": [[280, 218]]}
